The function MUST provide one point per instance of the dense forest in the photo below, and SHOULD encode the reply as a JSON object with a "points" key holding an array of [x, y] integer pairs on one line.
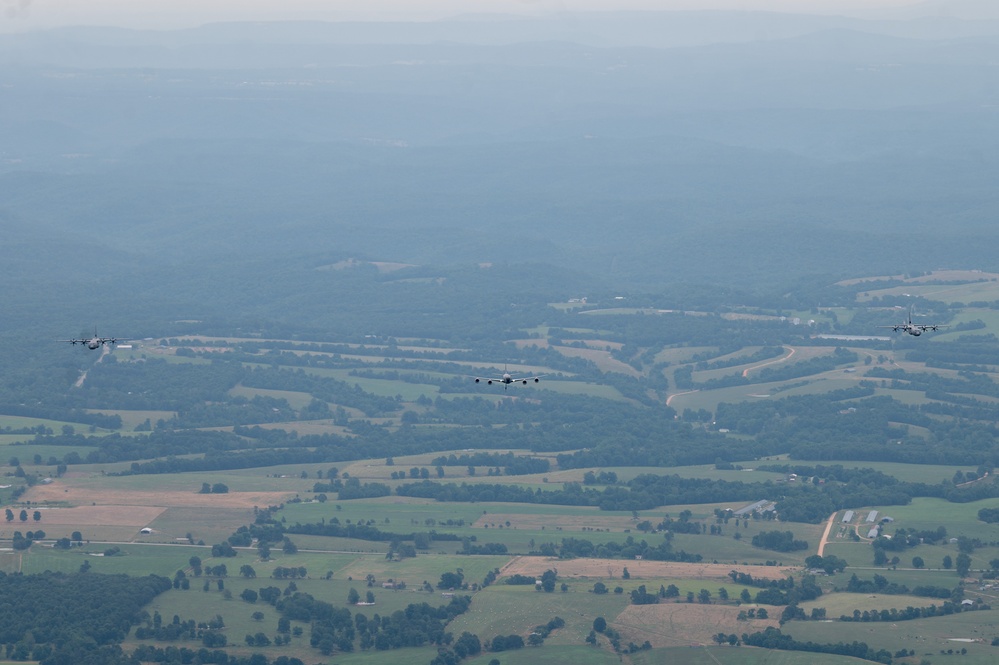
{"points": [[72, 618]]}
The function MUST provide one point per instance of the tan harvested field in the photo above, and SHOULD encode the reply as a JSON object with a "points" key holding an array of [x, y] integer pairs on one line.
{"points": [[602, 359], [59, 493], [681, 624], [134, 516], [102, 523], [597, 568], [116, 515]]}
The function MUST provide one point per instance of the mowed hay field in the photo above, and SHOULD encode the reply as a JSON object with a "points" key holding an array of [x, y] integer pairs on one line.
{"points": [[109, 523], [598, 569], [60, 493], [105, 513], [682, 623]]}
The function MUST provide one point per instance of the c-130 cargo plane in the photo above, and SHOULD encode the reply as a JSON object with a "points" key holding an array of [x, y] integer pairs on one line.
{"points": [[94, 342], [914, 329]]}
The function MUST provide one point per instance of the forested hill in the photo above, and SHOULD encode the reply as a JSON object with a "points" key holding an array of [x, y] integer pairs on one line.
{"points": [[633, 166]]}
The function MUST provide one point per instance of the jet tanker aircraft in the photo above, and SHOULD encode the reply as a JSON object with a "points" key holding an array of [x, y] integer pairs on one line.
{"points": [[94, 342], [507, 379], [914, 329]]}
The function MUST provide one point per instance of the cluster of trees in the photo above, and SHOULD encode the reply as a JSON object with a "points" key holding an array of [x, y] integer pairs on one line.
{"points": [[335, 629], [505, 643], [783, 591], [911, 613], [641, 596], [779, 541], [571, 548], [772, 638], [881, 584], [830, 563], [466, 646], [154, 628], [513, 465], [541, 632], [486, 548], [147, 653]]}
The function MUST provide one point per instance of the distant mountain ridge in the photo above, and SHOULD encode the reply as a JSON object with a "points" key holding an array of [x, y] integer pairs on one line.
{"points": [[632, 149], [99, 47]]}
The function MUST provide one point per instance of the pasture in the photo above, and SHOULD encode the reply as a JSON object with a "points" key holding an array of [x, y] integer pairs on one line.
{"points": [[977, 289], [673, 624], [576, 654], [716, 655], [503, 609], [960, 519], [973, 631]]}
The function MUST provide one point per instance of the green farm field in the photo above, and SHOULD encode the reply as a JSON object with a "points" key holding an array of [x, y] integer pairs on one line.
{"points": [[841, 603], [16, 446], [924, 473], [502, 609], [986, 290], [578, 655], [960, 519], [22, 422], [973, 631], [715, 655]]}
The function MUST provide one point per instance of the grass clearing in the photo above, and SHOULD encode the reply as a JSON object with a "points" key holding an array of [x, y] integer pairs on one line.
{"points": [[297, 400], [715, 655], [926, 636]]}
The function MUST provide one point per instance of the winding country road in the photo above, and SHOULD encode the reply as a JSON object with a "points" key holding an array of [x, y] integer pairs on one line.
{"points": [[670, 398], [792, 351]]}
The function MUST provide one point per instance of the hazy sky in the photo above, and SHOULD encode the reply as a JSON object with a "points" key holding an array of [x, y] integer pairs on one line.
{"points": [[20, 15]]}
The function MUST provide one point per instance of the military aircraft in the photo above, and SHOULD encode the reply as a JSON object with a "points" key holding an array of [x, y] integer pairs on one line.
{"points": [[914, 329], [94, 342], [507, 379]]}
